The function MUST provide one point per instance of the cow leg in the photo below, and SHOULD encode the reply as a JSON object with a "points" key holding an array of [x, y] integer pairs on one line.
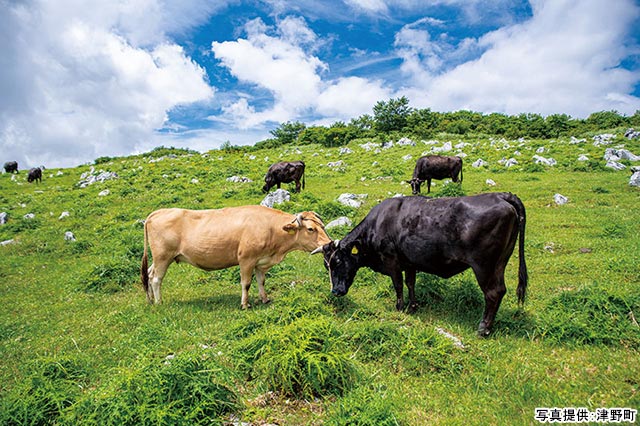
{"points": [[278, 185], [246, 273], [494, 289], [410, 280], [297, 186], [260, 278], [157, 271], [396, 278], [428, 185]]}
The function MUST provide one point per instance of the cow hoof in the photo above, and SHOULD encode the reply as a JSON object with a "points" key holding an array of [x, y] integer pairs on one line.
{"points": [[247, 306], [400, 305], [266, 301], [483, 330], [412, 308]]}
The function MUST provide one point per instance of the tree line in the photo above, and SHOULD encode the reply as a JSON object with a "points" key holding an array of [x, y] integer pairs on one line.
{"points": [[395, 118]]}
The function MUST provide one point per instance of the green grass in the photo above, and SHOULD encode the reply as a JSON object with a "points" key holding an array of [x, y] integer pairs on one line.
{"points": [[80, 345]]}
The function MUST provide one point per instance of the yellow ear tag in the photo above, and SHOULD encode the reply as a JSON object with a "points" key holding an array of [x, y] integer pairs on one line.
{"points": [[291, 231], [354, 250]]}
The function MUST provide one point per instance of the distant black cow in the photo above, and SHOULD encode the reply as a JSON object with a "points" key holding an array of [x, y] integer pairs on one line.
{"points": [[35, 174], [435, 167], [284, 172], [11, 167], [442, 236]]}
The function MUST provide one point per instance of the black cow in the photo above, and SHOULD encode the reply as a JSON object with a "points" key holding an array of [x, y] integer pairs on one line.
{"points": [[284, 172], [35, 174], [11, 167], [435, 167], [441, 236]]}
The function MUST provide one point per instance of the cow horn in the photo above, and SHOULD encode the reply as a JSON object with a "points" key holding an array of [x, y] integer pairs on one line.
{"points": [[316, 251], [299, 219]]}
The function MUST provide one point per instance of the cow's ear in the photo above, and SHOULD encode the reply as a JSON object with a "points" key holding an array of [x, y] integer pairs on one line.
{"points": [[354, 248], [291, 228]]}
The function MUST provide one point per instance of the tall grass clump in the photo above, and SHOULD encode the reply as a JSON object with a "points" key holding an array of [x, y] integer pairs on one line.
{"points": [[591, 315], [363, 406], [304, 359], [51, 388], [111, 276], [192, 388]]}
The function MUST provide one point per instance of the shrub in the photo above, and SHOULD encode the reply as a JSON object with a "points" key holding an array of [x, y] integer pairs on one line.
{"points": [[193, 388]]}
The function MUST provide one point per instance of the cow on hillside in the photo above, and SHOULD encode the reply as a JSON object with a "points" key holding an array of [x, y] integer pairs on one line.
{"points": [[11, 167], [284, 172], [254, 237], [442, 236], [35, 174], [435, 167]]}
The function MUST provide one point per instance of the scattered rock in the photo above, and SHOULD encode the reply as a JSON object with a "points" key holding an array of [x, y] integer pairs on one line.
{"points": [[239, 179], [631, 134], [104, 193], [479, 163], [490, 182], [369, 146], [278, 196], [63, 215], [68, 236], [635, 179], [615, 165], [341, 221], [407, 157], [345, 150], [585, 250], [560, 199], [575, 140], [335, 164], [456, 340], [405, 142], [7, 242], [583, 158], [546, 161], [446, 147], [611, 154], [195, 181], [604, 139], [3, 218], [29, 216], [90, 177], [352, 200]]}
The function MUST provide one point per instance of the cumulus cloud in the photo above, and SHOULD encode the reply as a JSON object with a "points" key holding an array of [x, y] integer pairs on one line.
{"points": [[84, 82], [281, 60], [565, 59]]}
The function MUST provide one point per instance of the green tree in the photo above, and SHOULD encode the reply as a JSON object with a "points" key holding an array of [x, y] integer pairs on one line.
{"points": [[288, 132], [391, 115]]}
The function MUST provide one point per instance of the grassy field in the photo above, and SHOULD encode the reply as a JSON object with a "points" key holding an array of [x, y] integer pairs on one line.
{"points": [[80, 345]]}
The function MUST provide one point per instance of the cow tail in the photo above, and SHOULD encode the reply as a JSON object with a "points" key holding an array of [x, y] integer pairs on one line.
{"points": [[461, 167], [303, 173], [523, 276], [144, 269]]}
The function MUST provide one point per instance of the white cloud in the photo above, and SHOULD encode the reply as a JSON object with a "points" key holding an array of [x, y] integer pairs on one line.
{"points": [[81, 84], [283, 63], [563, 60]]}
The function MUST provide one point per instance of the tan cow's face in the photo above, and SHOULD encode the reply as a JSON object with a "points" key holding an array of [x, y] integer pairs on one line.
{"points": [[310, 229]]}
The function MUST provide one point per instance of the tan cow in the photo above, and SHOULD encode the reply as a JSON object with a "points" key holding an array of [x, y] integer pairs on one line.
{"points": [[254, 237]]}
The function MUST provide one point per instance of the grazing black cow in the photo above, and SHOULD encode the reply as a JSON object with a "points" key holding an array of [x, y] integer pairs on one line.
{"points": [[435, 167], [11, 167], [441, 236], [35, 174], [284, 172]]}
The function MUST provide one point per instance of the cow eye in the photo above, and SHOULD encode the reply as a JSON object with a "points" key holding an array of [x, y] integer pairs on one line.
{"points": [[310, 229]]}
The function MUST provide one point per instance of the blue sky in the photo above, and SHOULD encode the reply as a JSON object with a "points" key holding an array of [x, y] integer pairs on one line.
{"points": [[80, 80]]}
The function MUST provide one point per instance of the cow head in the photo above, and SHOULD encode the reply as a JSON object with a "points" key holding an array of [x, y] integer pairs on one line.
{"points": [[309, 230], [341, 260], [415, 185]]}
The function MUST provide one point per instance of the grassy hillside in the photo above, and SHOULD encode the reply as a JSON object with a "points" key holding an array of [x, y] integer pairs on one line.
{"points": [[80, 345]]}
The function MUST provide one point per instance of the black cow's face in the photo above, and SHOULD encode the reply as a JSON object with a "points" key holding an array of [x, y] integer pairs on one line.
{"points": [[415, 185], [342, 264], [269, 182]]}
